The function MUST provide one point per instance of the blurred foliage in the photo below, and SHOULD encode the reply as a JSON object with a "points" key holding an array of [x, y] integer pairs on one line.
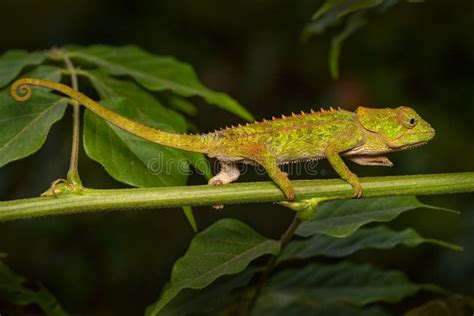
{"points": [[420, 55], [343, 218], [228, 246], [14, 291], [332, 13], [456, 305]]}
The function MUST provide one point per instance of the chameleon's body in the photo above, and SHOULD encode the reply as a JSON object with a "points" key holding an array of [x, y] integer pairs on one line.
{"points": [[363, 136]]}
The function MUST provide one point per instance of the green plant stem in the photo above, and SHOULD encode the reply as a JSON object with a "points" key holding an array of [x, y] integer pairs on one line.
{"points": [[91, 200], [73, 173], [285, 239]]}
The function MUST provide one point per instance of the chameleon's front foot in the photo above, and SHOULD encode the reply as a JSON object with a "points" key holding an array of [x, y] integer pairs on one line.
{"points": [[357, 191], [289, 193], [355, 183]]}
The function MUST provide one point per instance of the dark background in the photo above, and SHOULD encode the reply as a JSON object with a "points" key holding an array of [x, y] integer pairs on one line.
{"points": [[420, 55]]}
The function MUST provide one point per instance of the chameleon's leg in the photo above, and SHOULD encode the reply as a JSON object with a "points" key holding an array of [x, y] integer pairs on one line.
{"points": [[332, 154], [278, 176], [229, 172], [371, 160]]}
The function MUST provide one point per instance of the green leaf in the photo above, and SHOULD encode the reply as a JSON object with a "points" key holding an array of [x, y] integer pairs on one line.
{"points": [[353, 24], [455, 305], [200, 163], [210, 299], [330, 14], [327, 6], [52, 73], [181, 104], [226, 247], [380, 237], [156, 73], [12, 63], [26, 125], [359, 5], [154, 112], [319, 26], [344, 217], [188, 212], [357, 284], [122, 144], [325, 309], [128, 158], [12, 290], [132, 152]]}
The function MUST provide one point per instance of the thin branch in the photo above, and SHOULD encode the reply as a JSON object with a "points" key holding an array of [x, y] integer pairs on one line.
{"points": [[270, 266], [73, 173], [151, 198]]}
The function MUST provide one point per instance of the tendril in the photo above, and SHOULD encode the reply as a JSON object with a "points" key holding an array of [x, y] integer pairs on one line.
{"points": [[20, 91]]}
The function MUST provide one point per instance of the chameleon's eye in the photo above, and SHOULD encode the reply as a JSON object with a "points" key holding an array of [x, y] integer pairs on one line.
{"points": [[407, 117], [410, 122]]}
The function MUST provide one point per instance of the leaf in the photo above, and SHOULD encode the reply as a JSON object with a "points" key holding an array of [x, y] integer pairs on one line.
{"points": [[327, 6], [181, 104], [226, 247], [12, 289], [357, 284], [354, 23], [150, 112], [26, 125], [330, 14], [344, 217], [156, 114], [200, 163], [319, 26], [325, 309], [359, 5], [210, 299], [52, 73], [12, 63], [455, 305], [128, 158], [156, 73], [380, 237], [188, 212]]}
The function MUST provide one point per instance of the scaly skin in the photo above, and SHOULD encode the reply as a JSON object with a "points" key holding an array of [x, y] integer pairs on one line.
{"points": [[363, 136]]}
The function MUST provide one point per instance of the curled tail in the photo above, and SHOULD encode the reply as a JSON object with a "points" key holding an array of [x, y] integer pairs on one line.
{"points": [[21, 91]]}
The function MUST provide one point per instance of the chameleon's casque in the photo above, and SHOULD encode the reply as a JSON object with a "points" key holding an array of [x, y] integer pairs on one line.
{"points": [[363, 136]]}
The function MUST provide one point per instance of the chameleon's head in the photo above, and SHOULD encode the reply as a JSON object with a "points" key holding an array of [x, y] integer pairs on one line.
{"points": [[401, 128]]}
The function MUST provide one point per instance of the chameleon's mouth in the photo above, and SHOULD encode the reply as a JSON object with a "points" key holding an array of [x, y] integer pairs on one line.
{"points": [[411, 146], [423, 137]]}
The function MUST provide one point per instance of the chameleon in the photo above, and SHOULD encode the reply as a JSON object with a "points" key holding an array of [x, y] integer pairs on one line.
{"points": [[363, 136]]}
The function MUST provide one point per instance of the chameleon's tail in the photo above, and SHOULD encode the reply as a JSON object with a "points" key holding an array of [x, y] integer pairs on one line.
{"points": [[21, 91]]}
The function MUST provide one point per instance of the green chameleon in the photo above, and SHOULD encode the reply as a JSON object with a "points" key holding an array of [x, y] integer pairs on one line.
{"points": [[363, 136]]}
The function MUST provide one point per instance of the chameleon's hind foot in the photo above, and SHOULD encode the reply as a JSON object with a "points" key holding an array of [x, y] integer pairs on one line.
{"points": [[228, 173], [216, 182]]}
